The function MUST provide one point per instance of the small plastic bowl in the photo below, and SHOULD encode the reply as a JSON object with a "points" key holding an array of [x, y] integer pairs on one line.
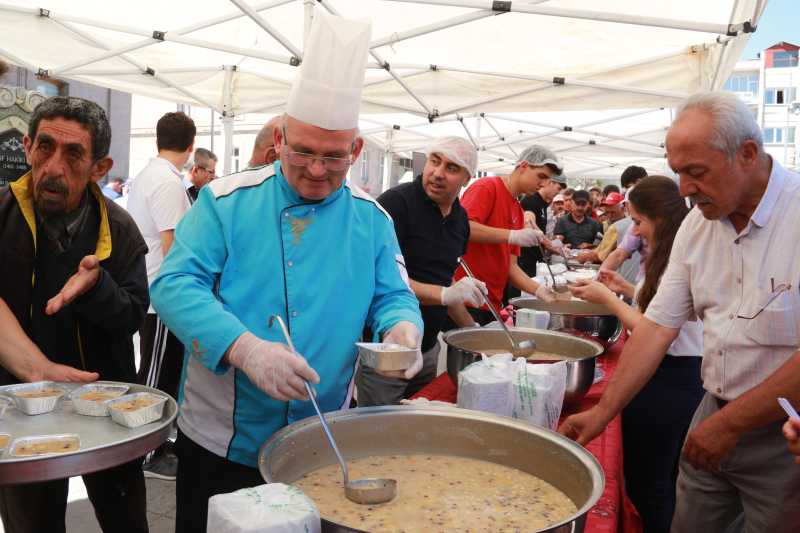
{"points": [[37, 406], [140, 417], [95, 407]]}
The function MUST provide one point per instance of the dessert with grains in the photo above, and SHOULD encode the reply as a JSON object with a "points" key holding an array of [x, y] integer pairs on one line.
{"points": [[134, 404], [436, 492]]}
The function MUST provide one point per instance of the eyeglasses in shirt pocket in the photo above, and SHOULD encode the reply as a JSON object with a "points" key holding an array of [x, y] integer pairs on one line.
{"points": [[773, 317]]}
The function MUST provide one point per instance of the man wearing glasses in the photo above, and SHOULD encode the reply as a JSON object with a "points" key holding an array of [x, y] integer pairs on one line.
{"points": [[295, 240], [725, 267], [202, 171]]}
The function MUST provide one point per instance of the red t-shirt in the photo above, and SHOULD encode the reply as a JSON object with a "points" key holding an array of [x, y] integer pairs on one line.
{"points": [[488, 202]]}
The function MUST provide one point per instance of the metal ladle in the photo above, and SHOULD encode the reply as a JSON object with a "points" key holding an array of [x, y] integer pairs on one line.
{"points": [[525, 348], [363, 491], [557, 287]]}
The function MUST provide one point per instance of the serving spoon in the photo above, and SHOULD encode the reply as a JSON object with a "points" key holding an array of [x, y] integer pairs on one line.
{"points": [[364, 491], [525, 348]]}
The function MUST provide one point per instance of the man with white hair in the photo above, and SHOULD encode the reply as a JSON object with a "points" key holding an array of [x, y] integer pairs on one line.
{"points": [[295, 240], [728, 268], [497, 226], [433, 231]]}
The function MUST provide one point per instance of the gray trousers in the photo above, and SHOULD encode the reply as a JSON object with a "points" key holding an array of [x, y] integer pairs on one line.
{"points": [[375, 389], [756, 490]]}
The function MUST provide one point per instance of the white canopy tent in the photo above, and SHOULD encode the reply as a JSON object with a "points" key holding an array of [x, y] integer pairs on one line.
{"points": [[446, 65]]}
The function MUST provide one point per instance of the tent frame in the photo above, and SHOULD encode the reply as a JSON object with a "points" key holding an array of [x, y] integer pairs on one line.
{"points": [[490, 147]]}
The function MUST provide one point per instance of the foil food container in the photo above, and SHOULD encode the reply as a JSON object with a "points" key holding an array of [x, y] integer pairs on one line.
{"points": [[4, 436], [138, 418], [41, 438], [3, 404], [90, 407], [386, 356], [37, 406]]}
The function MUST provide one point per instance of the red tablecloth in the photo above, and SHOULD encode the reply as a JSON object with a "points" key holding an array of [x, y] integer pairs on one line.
{"points": [[614, 511]]}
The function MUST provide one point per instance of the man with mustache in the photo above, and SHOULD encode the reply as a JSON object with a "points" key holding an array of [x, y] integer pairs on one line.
{"points": [[726, 269], [433, 232], [296, 240], [74, 277]]}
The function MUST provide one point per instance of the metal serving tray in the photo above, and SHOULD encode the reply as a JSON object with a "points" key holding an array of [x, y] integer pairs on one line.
{"points": [[4, 402], [104, 443]]}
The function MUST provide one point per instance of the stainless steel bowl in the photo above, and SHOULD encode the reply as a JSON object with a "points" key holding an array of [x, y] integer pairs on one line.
{"points": [[464, 347], [592, 321], [302, 447]]}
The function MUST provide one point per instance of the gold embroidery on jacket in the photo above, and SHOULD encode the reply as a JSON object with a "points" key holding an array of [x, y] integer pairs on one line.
{"points": [[299, 226]]}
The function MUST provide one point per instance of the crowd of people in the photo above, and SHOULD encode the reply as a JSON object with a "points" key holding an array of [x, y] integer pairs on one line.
{"points": [[710, 300]]}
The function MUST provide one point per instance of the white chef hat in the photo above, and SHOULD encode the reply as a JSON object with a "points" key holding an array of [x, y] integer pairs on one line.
{"points": [[327, 90]]}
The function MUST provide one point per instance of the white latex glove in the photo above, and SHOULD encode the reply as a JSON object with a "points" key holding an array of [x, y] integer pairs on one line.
{"points": [[465, 290], [566, 253], [545, 294], [272, 367], [525, 237], [407, 334]]}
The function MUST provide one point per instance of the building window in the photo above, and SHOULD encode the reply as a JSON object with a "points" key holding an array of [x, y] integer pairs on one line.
{"points": [[50, 87], [364, 166], [784, 59], [742, 84], [236, 160], [780, 96], [383, 167], [187, 109], [776, 135]]}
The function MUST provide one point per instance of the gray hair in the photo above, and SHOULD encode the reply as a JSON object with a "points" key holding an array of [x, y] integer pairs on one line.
{"points": [[734, 124], [457, 149], [202, 157], [537, 155], [89, 115]]}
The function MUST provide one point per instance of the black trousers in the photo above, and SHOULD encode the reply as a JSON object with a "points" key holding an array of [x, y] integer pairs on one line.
{"points": [[201, 475], [654, 426], [161, 364], [118, 496]]}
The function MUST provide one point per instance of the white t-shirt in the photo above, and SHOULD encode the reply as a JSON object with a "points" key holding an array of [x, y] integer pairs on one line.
{"points": [[689, 342], [157, 201]]}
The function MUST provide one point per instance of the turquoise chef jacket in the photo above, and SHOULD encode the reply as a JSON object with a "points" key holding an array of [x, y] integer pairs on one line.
{"points": [[249, 248]]}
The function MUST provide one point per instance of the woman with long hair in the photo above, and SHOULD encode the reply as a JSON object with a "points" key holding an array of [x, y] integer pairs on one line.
{"points": [[655, 422]]}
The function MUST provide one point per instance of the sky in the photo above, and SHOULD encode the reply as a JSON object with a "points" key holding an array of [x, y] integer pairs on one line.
{"points": [[780, 22]]}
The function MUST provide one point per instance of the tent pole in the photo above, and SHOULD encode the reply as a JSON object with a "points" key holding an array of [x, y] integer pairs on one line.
{"points": [[212, 130], [259, 108], [141, 67], [387, 175], [601, 16], [390, 78], [441, 25], [227, 121], [385, 65], [408, 108], [18, 60], [267, 27]]}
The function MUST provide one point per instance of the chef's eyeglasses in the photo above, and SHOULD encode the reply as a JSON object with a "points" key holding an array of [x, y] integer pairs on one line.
{"points": [[302, 159], [780, 289]]}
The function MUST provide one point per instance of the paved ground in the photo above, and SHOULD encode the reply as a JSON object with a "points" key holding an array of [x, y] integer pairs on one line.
{"points": [[160, 495]]}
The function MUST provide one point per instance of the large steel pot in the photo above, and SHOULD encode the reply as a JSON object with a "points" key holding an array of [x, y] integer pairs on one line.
{"points": [[592, 321], [302, 447], [464, 347]]}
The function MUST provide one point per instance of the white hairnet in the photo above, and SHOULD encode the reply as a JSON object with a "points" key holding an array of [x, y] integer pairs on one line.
{"points": [[537, 155], [458, 149]]}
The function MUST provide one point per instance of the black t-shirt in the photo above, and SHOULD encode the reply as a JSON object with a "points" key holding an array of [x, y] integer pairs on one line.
{"points": [[536, 205], [431, 244], [576, 234]]}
